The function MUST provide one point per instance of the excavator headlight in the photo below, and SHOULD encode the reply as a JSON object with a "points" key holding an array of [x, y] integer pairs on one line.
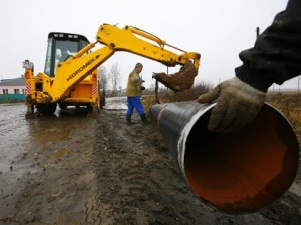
{"points": [[72, 36], [58, 35]]}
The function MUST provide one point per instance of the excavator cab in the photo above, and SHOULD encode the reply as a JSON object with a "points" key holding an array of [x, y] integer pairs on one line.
{"points": [[62, 46]]}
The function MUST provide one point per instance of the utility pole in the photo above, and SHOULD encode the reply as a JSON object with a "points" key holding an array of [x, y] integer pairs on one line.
{"points": [[298, 84], [257, 32]]}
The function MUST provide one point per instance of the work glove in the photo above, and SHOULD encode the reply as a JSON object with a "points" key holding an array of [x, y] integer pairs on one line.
{"points": [[138, 80], [237, 105]]}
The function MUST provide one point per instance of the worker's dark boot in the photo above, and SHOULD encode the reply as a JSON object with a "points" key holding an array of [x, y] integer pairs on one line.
{"points": [[144, 119], [128, 119]]}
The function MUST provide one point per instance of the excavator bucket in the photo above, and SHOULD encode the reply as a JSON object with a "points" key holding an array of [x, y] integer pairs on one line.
{"points": [[179, 81]]}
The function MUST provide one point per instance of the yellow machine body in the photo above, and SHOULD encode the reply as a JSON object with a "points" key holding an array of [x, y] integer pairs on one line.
{"points": [[76, 77]]}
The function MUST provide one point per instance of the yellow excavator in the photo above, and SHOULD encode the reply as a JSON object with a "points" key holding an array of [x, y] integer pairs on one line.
{"points": [[70, 75]]}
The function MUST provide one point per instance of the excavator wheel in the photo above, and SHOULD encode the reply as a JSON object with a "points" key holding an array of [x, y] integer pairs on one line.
{"points": [[46, 109], [179, 81], [63, 106]]}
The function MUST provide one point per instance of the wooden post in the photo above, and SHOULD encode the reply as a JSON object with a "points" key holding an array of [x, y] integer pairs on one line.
{"points": [[257, 32]]}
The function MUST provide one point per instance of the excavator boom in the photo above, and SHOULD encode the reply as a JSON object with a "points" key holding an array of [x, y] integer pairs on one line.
{"points": [[131, 42], [128, 39]]}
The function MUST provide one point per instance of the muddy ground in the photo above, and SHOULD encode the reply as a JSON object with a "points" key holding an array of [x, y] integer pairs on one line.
{"points": [[74, 169]]}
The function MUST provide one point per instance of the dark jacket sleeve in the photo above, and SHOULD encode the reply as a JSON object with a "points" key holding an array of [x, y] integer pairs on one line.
{"points": [[276, 56]]}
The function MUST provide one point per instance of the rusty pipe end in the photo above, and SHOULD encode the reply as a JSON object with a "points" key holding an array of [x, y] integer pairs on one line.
{"points": [[243, 171], [240, 172]]}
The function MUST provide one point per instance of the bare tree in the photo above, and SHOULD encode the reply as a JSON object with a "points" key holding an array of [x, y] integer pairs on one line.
{"points": [[103, 77], [114, 76]]}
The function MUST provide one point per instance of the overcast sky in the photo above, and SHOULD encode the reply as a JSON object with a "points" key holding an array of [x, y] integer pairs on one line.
{"points": [[219, 30]]}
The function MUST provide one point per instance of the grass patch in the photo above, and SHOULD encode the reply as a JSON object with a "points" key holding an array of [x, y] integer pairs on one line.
{"points": [[290, 105]]}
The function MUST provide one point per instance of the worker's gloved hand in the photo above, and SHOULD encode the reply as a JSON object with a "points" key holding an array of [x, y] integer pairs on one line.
{"points": [[138, 80], [237, 105]]}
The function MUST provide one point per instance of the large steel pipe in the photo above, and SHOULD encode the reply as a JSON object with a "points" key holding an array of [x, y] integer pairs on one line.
{"points": [[239, 172]]}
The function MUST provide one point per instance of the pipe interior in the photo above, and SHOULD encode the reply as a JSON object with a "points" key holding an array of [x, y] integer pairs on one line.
{"points": [[245, 170]]}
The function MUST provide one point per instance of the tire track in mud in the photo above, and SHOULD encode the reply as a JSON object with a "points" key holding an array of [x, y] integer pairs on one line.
{"points": [[133, 184], [12, 122], [59, 177], [139, 183], [11, 119], [102, 171]]}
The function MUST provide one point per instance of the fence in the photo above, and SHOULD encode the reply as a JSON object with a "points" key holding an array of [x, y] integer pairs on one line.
{"points": [[5, 98]]}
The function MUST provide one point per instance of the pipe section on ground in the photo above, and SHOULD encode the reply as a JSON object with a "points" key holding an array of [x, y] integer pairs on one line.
{"points": [[240, 172]]}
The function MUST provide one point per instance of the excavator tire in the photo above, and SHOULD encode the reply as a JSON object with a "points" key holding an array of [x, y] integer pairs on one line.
{"points": [[63, 106], [179, 81], [46, 109]]}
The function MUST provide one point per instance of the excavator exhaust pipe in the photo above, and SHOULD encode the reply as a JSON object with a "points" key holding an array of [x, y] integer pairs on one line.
{"points": [[240, 172]]}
